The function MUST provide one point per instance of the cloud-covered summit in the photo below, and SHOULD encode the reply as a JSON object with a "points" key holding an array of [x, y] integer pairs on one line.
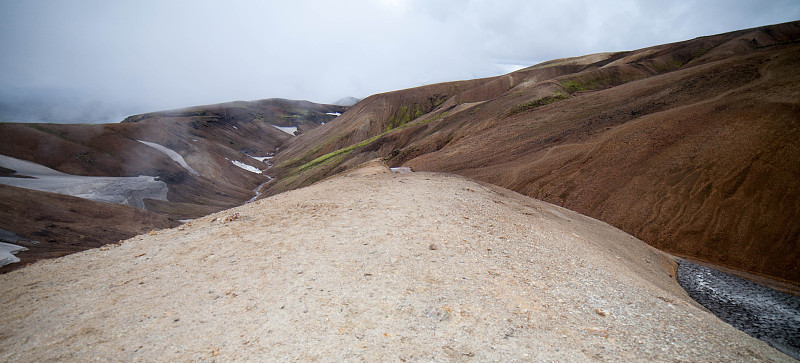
{"points": [[141, 56]]}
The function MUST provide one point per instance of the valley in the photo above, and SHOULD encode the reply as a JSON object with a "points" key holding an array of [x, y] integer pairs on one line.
{"points": [[691, 146], [536, 215], [179, 164]]}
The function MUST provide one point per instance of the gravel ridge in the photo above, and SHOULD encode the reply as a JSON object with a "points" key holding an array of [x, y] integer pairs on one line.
{"points": [[369, 266]]}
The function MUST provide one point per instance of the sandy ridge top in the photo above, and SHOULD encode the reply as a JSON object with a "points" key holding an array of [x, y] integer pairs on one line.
{"points": [[369, 266]]}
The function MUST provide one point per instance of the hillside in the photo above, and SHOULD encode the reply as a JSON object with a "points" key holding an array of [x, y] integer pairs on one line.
{"points": [[202, 156], [691, 147], [62, 224], [371, 266]]}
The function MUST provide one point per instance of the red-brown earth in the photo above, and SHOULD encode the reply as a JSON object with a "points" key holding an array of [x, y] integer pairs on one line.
{"points": [[209, 138], [693, 147], [62, 224]]}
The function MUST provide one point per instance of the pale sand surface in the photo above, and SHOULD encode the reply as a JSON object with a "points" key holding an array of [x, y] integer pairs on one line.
{"points": [[371, 266]]}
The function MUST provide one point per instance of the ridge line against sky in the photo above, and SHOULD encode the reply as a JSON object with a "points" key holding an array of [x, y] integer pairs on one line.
{"points": [[108, 59]]}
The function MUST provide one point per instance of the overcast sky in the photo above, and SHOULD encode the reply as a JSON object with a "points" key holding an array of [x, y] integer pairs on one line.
{"points": [[147, 55]]}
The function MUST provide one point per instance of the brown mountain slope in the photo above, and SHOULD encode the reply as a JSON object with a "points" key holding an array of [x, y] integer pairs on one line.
{"points": [[692, 146], [208, 138], [63, 224], [370, 266]]}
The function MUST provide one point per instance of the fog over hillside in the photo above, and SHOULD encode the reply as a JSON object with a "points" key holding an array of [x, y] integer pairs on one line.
{"points": [[97, 61], [62, 106]]}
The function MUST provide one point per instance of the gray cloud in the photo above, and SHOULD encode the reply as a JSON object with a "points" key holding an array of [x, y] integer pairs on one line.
{"points": [[146, 55]]}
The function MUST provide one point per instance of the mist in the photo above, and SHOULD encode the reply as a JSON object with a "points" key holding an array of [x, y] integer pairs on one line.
{"points": [[99, 61]]}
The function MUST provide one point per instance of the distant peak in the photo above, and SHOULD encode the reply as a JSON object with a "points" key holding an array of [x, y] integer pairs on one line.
{"points": [[347, 101]]}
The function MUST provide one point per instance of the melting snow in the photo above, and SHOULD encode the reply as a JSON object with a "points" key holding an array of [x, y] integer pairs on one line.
{"points": [[7, 251], [337, 114], [289, 130], [261, 158], [121, 190], [244, 166], [172, 155]]}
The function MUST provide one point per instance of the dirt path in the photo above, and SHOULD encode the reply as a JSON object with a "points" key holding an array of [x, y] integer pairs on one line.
{"points": [[371, 266]]}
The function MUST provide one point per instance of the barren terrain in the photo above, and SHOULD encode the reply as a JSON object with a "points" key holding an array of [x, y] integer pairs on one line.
{"points": [[373, 266], [63, 224], [690, 146], [181, 164]]}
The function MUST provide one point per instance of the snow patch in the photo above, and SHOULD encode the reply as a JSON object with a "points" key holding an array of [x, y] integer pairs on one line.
{"points": [[401, 170], [24, 167], [244, 166], [172, 155], [337, 114], [289, 130], [7, 251], [119, 190], [261, 158]]}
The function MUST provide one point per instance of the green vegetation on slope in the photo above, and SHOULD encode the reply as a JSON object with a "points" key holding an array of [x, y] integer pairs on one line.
{"points": [[404, 115], [536, 103], [337, 156]]}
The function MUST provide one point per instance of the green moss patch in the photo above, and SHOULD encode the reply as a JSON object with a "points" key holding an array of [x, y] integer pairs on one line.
{"points": [[539, 102]]}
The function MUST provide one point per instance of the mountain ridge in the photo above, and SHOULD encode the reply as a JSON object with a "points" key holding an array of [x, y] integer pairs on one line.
{"points": [[210, 158], [335, 271], [657, 112]]}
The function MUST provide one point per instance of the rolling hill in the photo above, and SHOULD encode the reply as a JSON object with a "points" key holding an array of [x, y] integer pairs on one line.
{"points": [[369, 266], [691, 146], [203, 155]]}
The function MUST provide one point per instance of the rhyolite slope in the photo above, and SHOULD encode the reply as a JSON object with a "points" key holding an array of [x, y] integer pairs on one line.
{"points": [[369, 266], [691, 147]]}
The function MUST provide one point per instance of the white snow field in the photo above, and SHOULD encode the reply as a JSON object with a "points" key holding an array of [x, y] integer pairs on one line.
{"points": [[7, 251], [119, 190], [262, 159], [172, 155], [289, 130], [244, 166]]}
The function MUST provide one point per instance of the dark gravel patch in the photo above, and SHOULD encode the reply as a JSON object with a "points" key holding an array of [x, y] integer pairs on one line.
{"points": [[759, 311]]}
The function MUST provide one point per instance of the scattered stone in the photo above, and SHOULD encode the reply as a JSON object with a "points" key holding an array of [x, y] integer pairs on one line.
{"points": [[437, 314], [600, 332], [600, 312], [232, 217]]}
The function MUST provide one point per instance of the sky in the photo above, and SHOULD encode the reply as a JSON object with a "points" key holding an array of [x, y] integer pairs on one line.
{"points": [[100, 60]]}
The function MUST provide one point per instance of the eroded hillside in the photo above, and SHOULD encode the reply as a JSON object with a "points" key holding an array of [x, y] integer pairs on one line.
{"points": [[204, 155], [691, 146]]}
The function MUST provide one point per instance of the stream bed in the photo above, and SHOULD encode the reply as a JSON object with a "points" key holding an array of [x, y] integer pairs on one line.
{"points": [[759, 311]]}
